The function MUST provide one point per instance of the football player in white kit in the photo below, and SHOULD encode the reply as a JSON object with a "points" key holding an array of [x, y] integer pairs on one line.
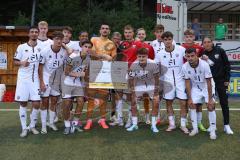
{"points": [[67, 32], [74, 86], [144, 80], [52, 59], [43, 40], [197, 75], [27, 57], [171, 60]]}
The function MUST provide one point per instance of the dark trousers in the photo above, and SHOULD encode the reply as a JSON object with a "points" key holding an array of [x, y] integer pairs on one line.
{"points": [[223, 97]]}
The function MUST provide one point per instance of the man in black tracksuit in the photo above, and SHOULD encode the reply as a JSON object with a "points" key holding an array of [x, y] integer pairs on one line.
{"points": [[220, 69]]}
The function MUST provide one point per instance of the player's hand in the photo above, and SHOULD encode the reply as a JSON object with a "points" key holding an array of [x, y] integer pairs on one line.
{"points": [[210, 104], [190, 102], [42, 87], [205, 57], [81, 74], [226, 84], [106, 57], [25, 63]]}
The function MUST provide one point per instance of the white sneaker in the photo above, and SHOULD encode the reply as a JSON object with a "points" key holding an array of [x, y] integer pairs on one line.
{"points": [[24, 133], [213, 135], [154, 129], [44, 130], [56, 119], [193, 132], [227, 129], [114, 121], [128, 124], [113, 118], [120, 122], [209, 129], [170, 128], [184, 129], [53, 127], [34, 130], [132, 128]]}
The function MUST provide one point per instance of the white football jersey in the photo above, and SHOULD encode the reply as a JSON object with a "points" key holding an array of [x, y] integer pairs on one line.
{"points": [[75, 46], [70, 44], [171, 64], [51, 61], [45, 43], [197, 75], [33, 55], [158, 46], [78, 65]]}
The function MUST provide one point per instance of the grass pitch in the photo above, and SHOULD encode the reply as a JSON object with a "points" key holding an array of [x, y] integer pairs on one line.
{"points": [[116, 143]]}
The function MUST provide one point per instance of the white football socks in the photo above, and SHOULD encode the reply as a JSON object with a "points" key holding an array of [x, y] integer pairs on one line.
{"points": [[183, 122], [171, 120], [67, 123], [34, 117], [212, 119], [193, 115], [119, 109], [52, 116], [43, 114], [199, 117], [135, 120], [154, 121], [23, 117]]}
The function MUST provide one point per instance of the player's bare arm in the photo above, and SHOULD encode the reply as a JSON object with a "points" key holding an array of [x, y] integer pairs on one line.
{"points": [[24, 63], [210, 100], [40, 73], [188, 89]]}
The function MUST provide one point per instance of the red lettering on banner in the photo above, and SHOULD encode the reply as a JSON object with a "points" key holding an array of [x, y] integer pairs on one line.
{"points": [[163, 8]]}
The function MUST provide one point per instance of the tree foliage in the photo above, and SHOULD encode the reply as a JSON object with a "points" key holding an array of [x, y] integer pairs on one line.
{"points": [[89, 14]]}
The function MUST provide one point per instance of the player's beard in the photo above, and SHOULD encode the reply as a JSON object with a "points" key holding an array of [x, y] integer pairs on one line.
{"points": [[34, 39], [194, 64]]}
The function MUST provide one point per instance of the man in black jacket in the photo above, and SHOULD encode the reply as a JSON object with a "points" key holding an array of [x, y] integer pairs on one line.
{"points": [[220, 68]]}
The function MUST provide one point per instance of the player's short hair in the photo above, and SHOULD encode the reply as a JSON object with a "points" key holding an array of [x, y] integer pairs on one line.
{"points": [[189, 32], [190, 50], [104, 23], [167, 34], [68, 28], [116, 34], [57, 34], [158, 27], [140, 29], [128, 27], [142, 51], [42, 23], [81, 32], [33, 27], [87, 42]]}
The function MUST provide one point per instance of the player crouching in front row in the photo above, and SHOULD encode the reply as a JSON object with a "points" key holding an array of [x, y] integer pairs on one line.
{"points": [[144, 80], [197, 75]]}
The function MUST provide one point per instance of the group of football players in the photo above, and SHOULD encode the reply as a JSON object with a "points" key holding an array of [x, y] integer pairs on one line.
{"points": [[57, 70]]}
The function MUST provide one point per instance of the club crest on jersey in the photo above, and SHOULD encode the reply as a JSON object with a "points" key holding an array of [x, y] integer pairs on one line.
{"points": [[216, 56], [50, 56], [164, 57], [39, 49]]}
